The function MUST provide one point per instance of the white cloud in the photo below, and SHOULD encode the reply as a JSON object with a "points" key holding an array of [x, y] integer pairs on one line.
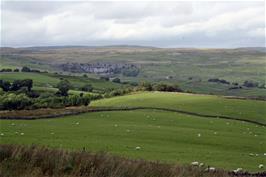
{"points": [[221, 24]]}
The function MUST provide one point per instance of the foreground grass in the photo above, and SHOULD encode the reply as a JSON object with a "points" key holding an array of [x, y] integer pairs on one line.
{"points": [[35, 161], [165, 136], [202, 104]]}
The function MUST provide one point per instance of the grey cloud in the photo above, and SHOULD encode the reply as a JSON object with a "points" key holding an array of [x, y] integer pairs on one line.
{"points": [[195, 24]]}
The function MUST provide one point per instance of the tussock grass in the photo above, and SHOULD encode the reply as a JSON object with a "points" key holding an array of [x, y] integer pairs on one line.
{"points": [[41, 161]]}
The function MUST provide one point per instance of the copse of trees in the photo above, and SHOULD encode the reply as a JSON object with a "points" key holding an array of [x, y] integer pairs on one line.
{"points": [[16, 85], [163, 87]]}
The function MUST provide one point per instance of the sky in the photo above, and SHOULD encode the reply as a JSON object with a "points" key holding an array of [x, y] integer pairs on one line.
{"points": [[160, 24]]}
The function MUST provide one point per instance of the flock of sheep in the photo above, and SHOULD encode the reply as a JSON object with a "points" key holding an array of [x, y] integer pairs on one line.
{"points": [[211, 169]]}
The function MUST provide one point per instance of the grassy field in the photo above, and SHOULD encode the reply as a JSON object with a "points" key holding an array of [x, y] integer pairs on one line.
{"points": [[204, 104], [164, 136]]}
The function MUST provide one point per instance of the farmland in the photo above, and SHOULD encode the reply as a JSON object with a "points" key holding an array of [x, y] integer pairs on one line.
{"points": [[161, 135], [190, 68], [220, 124]]}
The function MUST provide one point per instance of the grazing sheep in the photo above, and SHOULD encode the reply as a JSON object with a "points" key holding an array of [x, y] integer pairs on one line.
{"points": [[138, 148], [21, 133], [2, 134], [264, 154], [199, 135], [201, 164], [77, 123], [251, 154], [238, 170], [116, 125], [195, 163], [261, 166], [211, 169]]}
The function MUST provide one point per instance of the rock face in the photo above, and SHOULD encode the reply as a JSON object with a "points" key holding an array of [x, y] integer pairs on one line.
{"points": [[101, 68]]}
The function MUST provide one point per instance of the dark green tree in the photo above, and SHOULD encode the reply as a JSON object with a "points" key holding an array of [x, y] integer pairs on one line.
{"points": [[63, 87], [5, 85]]}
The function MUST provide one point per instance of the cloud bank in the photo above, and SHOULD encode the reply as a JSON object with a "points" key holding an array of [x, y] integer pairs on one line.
{"points": [[161, 24]]}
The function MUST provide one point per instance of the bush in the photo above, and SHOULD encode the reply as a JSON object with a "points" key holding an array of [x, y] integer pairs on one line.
{"points": [[12, 101], [25, 69], [6, 70], [167, 87], [250, 84]]}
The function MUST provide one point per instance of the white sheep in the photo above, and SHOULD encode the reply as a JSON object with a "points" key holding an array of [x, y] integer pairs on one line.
{"points": [[195, 163], [237, 170], [261, 166], [21, 133], [211, 169], [201, 164], [138, 148], [199, 135], [2, 134]]}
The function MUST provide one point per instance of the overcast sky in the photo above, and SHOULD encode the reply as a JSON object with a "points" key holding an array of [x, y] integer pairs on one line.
{"points": [[161, 24]]}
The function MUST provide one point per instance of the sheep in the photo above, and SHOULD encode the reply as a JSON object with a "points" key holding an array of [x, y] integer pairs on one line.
{"points": [[211, 169], [261, 166], [264, 154], [77, 123], [195, 163], [201, 164], [237, 170], [116, 125], [21, 133], [251, 154], [2, 134], [199, 135], [138, 148]]}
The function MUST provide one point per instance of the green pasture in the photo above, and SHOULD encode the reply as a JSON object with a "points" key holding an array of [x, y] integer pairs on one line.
{"points": [[203, 104], [164, 136]]}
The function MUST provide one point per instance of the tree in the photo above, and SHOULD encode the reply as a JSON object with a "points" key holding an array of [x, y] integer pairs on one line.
{"points": [[5, 85], [146, 86], [63, 87], [116, 80], [87, 88], [27, 83], [16, 85], [16, 70], [25, 69]]}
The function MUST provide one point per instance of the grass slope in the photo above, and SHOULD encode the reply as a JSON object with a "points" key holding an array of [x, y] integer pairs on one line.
{"points": [[204, 104], [164, 136]]}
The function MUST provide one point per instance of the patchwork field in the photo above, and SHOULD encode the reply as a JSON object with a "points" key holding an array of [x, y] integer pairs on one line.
{"points": [[190, 68], [156, 135]]}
